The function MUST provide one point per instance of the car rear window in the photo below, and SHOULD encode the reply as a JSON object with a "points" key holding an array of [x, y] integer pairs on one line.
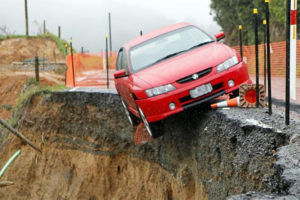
{"points": [[155, 50]]}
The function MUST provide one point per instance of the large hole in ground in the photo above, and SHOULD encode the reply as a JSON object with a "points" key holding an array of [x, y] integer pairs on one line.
{"points": [[88, 153]]}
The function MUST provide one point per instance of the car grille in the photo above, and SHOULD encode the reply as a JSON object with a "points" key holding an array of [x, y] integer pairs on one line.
{"points": [[190, 77], [200, 101], [188, 98]]}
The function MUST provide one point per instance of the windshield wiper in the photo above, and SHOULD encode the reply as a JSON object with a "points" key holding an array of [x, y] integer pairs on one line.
{"points": [[201, 44]]}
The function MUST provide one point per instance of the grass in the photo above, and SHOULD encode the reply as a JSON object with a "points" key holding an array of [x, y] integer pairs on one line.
{"points": [[32, 89], [59, 42], [7, 107], [4, 37]]}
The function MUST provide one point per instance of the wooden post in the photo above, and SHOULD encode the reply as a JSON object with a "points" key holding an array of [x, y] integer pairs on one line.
{"points": [[26, 19], [6, 183], [37, 74], [19, 135], [54, 55], [44, 24], [59, 32]]}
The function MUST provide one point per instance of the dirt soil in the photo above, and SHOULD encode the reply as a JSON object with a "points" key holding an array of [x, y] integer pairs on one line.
{"points": [[95, 168], [20, 49], [13, 83], [88, 153]]}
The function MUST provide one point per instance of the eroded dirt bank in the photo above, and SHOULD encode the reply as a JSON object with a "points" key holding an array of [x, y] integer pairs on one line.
{"points": [[88, 153], [20, 49]]}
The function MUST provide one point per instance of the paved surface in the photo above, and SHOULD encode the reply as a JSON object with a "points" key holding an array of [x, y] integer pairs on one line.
{"points": [[83, 83], [278, 88], [92, 90]]}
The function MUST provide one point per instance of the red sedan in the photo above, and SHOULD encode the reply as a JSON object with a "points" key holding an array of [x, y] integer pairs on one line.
{"points": [[172, 69]]}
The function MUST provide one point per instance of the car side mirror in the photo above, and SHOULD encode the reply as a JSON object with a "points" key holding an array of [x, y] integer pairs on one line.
{"points": [[120, 74], [220, 36]]}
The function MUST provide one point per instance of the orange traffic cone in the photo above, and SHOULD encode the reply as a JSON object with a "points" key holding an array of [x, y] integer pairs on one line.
{"points": [[230, 103]]}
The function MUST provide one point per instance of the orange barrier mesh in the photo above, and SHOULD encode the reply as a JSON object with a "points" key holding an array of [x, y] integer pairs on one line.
{"points": [[141, 135], [278, 53], [90, 69]]}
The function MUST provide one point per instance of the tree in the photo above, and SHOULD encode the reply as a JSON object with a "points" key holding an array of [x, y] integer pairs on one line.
{"points": [[231, 13]]}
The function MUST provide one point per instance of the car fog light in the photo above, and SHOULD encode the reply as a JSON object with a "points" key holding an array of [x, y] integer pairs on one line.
{"points": [[230, 83], [172, 106]]}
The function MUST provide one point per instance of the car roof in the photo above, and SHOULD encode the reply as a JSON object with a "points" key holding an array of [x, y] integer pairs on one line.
{"points": [[154, 34]]}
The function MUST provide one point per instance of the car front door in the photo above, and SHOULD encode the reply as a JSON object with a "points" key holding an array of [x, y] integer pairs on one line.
{"points": [[124, 85]]}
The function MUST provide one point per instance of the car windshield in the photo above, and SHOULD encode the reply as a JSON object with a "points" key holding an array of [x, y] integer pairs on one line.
{"points": [[165, 46]]}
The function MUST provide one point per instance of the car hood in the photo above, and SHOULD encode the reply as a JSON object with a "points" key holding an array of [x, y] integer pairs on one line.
{"points": [[185, 64]]}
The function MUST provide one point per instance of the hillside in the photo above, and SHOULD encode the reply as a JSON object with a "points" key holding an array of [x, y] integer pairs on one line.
{"points": [[18, 49]]}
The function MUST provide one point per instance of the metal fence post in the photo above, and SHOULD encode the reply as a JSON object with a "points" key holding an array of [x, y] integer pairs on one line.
{"points": [[269, 58], [73, 70], [66, 49], [255, 13], [110, 39], [241, 41], [107, 67], [265, 54], [287, 85]]}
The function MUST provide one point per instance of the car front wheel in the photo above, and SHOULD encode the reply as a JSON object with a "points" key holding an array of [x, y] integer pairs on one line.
{"points": [[154, 129], [133, 120]]}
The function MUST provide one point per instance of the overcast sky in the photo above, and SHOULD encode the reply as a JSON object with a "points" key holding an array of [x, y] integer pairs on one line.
{"points": [[86, 21]]}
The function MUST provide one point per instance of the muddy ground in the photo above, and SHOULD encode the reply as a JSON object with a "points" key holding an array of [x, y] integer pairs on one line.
{"points": [[88, 153]]}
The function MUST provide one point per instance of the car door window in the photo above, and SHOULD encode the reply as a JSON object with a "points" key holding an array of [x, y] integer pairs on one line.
{"points": [[122, 60], [119, 60], [124, 63]]}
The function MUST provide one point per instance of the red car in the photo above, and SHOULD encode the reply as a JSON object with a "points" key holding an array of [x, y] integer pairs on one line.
{"points": [[172, 69]]}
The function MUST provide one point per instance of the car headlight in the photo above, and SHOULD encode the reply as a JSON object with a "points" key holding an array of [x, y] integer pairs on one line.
{"points": [[160, 90], [227, 64]]}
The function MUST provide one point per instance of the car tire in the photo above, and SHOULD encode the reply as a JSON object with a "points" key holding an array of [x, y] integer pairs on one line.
{"points": [[154, 129], [133, 120]]}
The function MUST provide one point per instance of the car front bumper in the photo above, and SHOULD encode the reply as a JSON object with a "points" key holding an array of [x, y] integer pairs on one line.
{"points": [[157, 108]]}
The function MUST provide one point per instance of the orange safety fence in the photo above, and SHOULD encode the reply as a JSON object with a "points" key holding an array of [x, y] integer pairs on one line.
{"points": [[278, 58], [90, 69]]}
